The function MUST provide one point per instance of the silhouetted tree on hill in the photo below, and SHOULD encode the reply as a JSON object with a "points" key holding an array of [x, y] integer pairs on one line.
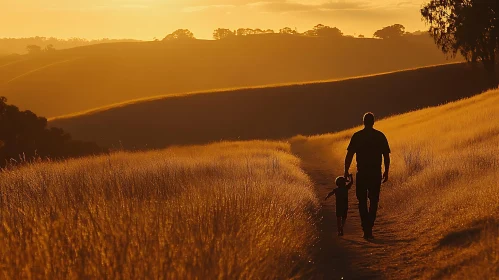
{"points": [[180, 34], [288, 30], [249, 31], [469, 27], [49, 48], [24, 135], [390, 32], [321, 30], [222, 33], [326, 31], [242, 32], [33, 49]]}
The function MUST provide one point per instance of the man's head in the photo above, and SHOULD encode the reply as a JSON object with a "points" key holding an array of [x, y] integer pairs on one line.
{"points": [[369, 120]]}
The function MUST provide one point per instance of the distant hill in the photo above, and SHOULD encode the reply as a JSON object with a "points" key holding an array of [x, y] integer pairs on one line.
{"points": [[78, 79], [4, 59], [18, 45], [272, 112]]}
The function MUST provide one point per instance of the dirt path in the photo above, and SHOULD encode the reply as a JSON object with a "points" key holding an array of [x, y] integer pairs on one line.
{"points": [[350, 256]]}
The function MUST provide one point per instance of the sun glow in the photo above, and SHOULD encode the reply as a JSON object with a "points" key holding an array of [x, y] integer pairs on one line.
{"points": [[146, 19]]}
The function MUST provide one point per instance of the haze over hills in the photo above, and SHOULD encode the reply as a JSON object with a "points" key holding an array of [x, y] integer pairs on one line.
{"points": [[272, 112], [10, 46], [68, 81]]}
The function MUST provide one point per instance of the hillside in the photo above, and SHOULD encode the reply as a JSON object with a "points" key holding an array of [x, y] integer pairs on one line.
{"points": [[230, 210], [68, 81], [272, 112], [206, 211], [438, 213], [18, 45]]}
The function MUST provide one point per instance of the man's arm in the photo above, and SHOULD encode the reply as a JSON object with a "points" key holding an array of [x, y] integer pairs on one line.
{"points": [[350, 182], [386, 157], [348, 162]]}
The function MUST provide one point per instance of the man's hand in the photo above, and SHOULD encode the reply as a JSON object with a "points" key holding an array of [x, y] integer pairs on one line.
{"points": [[346, 175], [385, 177]]}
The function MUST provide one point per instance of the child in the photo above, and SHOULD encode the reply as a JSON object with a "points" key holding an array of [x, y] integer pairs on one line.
{"points": [[341, 193]]}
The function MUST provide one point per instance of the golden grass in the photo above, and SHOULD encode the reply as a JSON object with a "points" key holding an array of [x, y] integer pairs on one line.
{"points": [[224, 211], [441, 204]]}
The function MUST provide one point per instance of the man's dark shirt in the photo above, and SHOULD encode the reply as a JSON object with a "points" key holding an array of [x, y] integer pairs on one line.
{"points": [[369, 145]]}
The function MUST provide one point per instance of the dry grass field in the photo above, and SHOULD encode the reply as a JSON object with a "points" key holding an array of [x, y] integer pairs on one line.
{"points": [[224, 211], [73, 80], [271, 112], [438, 216], [248, 210]]}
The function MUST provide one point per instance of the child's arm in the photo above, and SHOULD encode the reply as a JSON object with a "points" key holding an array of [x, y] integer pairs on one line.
{"points": [[350, 181], [330, 194]]}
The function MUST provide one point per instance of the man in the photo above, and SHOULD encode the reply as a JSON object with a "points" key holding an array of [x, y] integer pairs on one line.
{"points": [[371, 146]]}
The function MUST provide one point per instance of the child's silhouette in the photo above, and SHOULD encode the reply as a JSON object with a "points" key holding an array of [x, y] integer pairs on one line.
{"points": [[341, 193]]}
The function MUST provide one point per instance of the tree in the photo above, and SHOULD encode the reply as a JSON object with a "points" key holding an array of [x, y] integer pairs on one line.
{"points": [[34, 49], [288, 30], [390, 32], [326, 31], [245, 31], [222, 33], [362, 36], [321, 30], [180, 34], [241, 32], [469, 27], [49, 48], [24, 134]]}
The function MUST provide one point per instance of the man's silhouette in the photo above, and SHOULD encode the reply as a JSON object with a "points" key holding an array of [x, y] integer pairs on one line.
{"points": [[371, 146]]}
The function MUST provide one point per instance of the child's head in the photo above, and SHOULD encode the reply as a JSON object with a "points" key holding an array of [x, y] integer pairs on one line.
{"points": [[341, 181]]}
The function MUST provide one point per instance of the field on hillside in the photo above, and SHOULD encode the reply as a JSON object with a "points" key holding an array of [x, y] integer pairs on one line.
{"points": [[272, 112], [438, 216], [224, 211], [73, 80]]}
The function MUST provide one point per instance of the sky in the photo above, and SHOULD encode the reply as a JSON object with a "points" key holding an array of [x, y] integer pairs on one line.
{"points": [[148, 19]]}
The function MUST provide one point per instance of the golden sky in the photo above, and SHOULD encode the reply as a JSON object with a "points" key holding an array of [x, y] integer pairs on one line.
{"points": [[146, 19]]}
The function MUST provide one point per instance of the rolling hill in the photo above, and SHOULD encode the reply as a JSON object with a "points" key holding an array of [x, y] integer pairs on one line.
{"points": [[79, 79], [205, 211], [271, 112]]}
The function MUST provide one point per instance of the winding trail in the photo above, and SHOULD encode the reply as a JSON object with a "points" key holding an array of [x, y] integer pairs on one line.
{"points": [[350, 256]]}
